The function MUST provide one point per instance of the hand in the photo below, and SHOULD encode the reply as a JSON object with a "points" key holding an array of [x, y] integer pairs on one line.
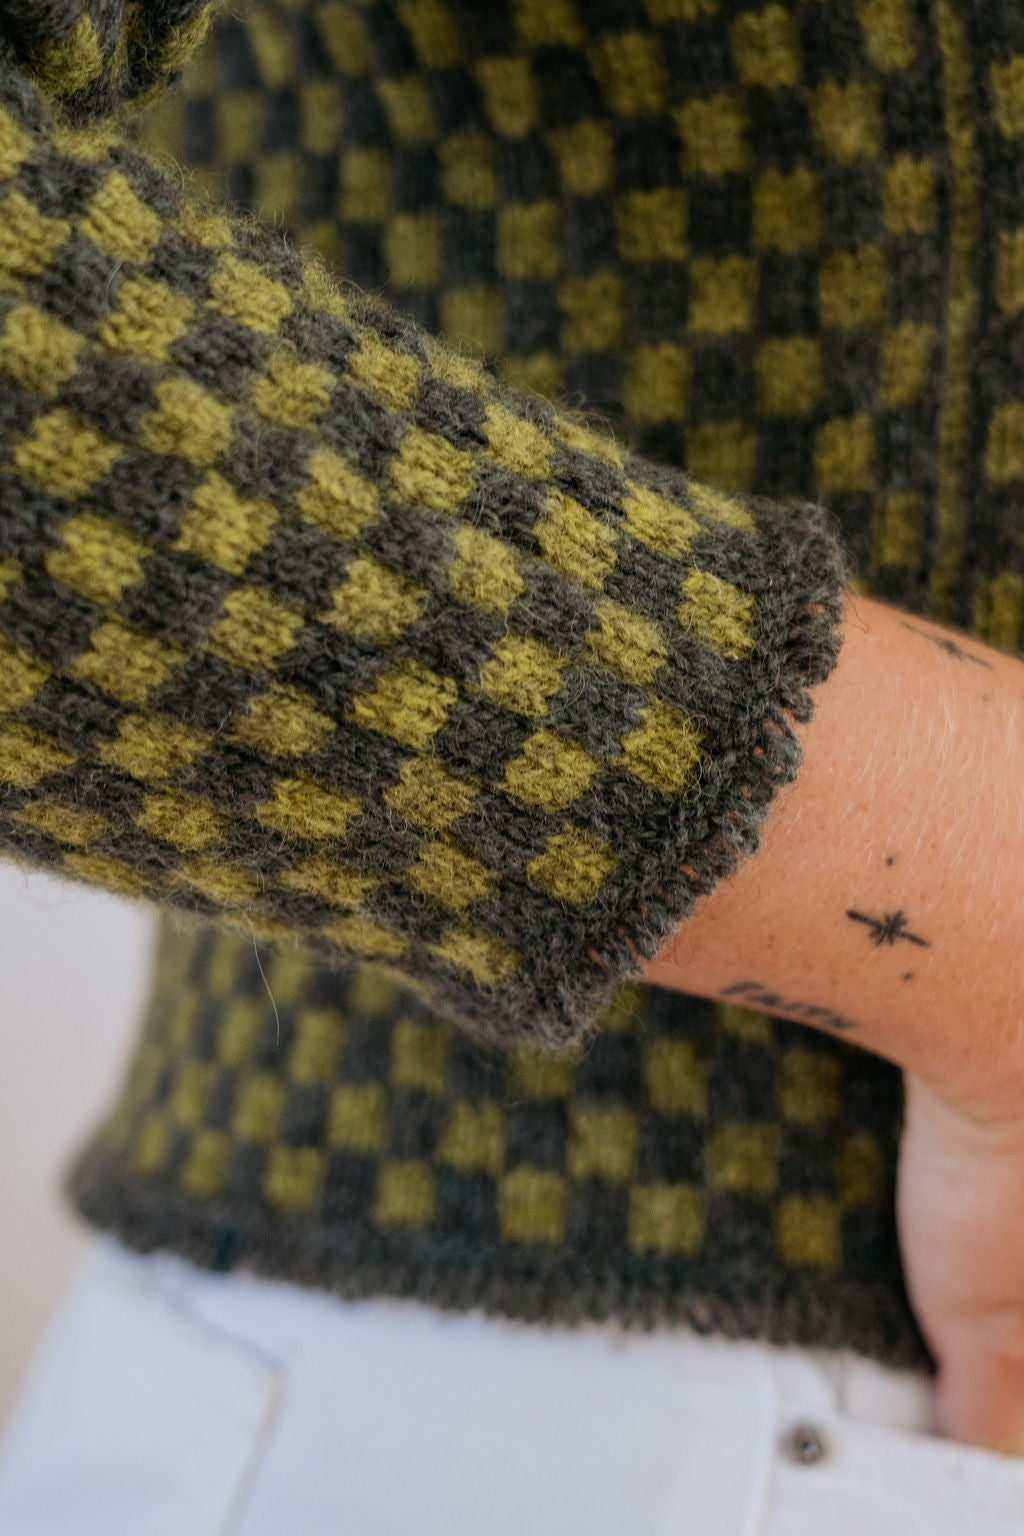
{"points": [[960, 1212]]}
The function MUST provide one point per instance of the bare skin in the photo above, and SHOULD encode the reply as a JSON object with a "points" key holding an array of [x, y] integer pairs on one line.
{"points": [[886, 905]]}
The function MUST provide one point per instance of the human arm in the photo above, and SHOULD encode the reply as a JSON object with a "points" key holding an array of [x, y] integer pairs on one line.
{"points": [[885, 905]]}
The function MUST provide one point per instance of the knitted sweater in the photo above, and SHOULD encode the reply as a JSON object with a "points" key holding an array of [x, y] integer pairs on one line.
{"points": [[314, 628]]}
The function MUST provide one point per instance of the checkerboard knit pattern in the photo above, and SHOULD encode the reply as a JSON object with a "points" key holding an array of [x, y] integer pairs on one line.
{"points": [[778, 247]]}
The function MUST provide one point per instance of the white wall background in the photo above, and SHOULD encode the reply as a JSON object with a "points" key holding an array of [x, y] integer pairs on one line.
{"points": [[73, 971]]}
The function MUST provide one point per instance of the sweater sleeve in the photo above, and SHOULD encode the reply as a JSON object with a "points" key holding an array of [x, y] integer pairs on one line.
{"points": [[310, 626]]}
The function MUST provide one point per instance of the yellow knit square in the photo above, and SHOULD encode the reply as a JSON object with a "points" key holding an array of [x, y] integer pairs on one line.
{"points": [[432, 31], [337, 498], [473, 317], [591, 312], [63, 823], [477, 955], [909, 196], [907, 351], [666, 1216], [189, 423], [125, 663], [429, 472], [664, 750], [16, 144], [256, 629], [149, 317], [28, 240], [626, 642], [191, 1090], [293, 1177], [844, 454], [998, 602], [598, 442], [538, 1073], [405, 1195], [657, 383], [722, 453], [238, 1029], [630, 71], [539, 373], [323, 877], [522, 674], [574, 542], [26, 756], [391, 376], [809, 1231], [517, 444], [787, 210], [853, 287], [584, 155], [62, 454], [551, 771], [283, 722], [510, 97], [223, 527], [221, 884], [71, 61], [205, 225], [152, 1144], [676, 1078], [1010, 271], [743, 1155], [531, 1206], [343, 33], [119, 222], [357, 1116], [896, 530], [428, 795], [847, 119], [1004, 450], [722, 294], [808, 1087], [788, 372], [887, 32], [408, 703], [714, 134], [407, 105], [320, 115], [1008, 94], [717, 613], [205, 1168], [859, 1170], [664, 525], [97, 558], [37, 350], [291, 393], [180, 820], [364, 186], [151, 747], [21, 675], [446, 876], [98, 869], [300, 808], [419, 1054], [270, 39], [528, 240], [474, 1138], [258, 1107], [412, 250], [374, 602], [573, 866], [546, 23], [467, 170], [652, 225], [240, 291], [602, 1143], [766, 48]]}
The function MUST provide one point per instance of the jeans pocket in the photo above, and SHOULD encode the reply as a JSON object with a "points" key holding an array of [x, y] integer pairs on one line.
{"points": [[857, 1475], [136, 1419]]}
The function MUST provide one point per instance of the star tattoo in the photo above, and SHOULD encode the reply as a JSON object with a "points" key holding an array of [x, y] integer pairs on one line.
{"points": [[888, 928]]}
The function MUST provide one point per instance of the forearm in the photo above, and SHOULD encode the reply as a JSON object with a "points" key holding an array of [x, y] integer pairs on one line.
{"points": [[886, 900]]}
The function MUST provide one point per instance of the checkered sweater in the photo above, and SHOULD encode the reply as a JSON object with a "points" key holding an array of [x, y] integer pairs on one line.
{"points": [[441, 702]]}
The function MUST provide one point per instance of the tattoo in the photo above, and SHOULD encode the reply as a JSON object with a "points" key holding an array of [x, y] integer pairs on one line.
{"points": [[754, 992], [887, 929], [908, 975], [949, 646], [889, 861]]}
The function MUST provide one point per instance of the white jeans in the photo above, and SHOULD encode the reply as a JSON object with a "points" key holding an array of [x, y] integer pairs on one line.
{"points": [[166, 1401]]}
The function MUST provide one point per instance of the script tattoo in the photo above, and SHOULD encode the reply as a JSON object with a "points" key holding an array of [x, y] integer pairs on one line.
{"points": [[888, 928], [949, 646], [753, 992]]}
